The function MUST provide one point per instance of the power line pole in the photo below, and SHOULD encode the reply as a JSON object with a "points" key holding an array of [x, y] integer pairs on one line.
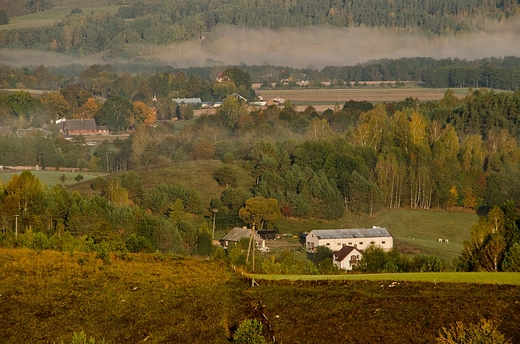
{"points": [[16, 226]]}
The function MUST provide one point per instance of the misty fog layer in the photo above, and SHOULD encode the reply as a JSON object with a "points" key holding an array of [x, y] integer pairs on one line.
{"points": [[307, 48]]}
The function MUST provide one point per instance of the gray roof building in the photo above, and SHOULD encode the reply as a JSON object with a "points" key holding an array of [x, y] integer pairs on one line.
{"points": [[187, 100], [238, 233], [360, 238], [374, 232], [80, 124]]}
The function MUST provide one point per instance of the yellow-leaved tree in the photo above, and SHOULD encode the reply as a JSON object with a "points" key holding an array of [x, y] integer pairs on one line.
{"points": [[259, 210], [142, 114]]}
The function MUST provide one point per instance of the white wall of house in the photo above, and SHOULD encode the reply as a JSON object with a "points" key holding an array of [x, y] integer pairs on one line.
{"points": [[386, 243], [351, 260]]}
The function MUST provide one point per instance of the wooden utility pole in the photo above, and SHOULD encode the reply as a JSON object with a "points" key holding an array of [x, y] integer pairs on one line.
{"points": [[16, 226]]}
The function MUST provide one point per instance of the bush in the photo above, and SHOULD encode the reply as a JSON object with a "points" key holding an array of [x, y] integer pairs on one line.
{"points": [[103, 250], [427, 263], [66, 243], [40, 241], [99, 184], [249, 332], [7, 240], [137, 243], [81, 338], [484, 332], [228, 158]]}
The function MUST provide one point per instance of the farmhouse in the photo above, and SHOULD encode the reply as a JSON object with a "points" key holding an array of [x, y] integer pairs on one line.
{"points": [[346, 258], [237, 234], [336, 239], [71, 127]]}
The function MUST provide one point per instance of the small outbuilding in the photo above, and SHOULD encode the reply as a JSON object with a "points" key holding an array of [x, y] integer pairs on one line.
{"points": [[239, 233], [346, 258]]}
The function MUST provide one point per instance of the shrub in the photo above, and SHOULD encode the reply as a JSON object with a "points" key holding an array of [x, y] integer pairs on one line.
{"points": [[137, 243], [7, 240], [484, 332], [249, 332], [228, 158], [103, 250], [427, 263], [99, 184], [40, 241], [81, 338]]}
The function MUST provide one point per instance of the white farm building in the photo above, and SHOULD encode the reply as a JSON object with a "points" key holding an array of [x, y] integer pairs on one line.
{"points": [[336, 239]]}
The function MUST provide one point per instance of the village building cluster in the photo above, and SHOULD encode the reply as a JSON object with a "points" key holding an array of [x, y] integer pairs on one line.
{"points": [[347, 245]]}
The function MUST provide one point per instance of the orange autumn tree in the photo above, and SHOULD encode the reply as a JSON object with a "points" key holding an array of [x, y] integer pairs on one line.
{"points": [[142, 114], [89, 109]]}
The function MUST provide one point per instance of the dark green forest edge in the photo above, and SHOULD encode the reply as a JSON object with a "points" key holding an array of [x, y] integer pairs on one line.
{"points": [[138, 24]]}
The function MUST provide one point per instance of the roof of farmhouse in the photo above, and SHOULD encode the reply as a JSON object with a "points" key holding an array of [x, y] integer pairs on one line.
{"points": [[80, 124], [187, 100], [374, 232]]}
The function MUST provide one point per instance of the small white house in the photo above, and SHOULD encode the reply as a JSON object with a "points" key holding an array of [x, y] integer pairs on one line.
{"points": [[346, 258], [336, 239]]}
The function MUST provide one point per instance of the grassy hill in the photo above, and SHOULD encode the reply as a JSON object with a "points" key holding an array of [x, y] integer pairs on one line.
{"points": [[194, 174], [47, 296]]}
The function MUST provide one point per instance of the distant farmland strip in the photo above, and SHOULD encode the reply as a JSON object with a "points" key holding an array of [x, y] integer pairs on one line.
{"points": [[341, 96]]}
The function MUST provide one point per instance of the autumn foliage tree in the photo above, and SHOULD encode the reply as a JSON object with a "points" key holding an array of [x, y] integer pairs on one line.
{"points": [[259, 211], [142, 114]]}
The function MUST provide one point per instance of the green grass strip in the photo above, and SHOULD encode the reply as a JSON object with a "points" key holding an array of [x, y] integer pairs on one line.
{"points": [[501, 278]]}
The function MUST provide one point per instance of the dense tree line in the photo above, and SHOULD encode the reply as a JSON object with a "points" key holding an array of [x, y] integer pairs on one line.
{"points": [[142, 81], [164, 22]]}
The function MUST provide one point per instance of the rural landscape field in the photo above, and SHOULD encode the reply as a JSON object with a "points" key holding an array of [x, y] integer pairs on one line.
{"points": [[165, 299], [202, 171]]}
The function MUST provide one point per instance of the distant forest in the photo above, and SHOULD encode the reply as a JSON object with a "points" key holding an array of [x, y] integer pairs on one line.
{"points": [[497, 73], [165, 22]]}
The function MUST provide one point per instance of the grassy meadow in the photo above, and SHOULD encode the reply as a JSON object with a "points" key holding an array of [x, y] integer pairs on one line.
{"points": [[192, 174], [51, 178], [61, 8], [47, 296], [371, 94], [503, 278]]}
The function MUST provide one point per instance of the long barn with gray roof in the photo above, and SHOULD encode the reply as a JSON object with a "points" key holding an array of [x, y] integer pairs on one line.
{"points": [[360, 238]]}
